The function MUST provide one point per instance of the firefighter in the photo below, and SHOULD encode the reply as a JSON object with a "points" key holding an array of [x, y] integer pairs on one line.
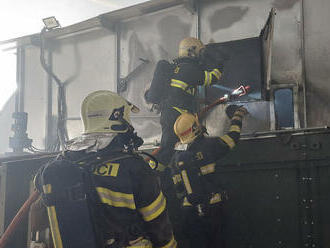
{"points": [[128, 206], [195, 166], [174, 88]]}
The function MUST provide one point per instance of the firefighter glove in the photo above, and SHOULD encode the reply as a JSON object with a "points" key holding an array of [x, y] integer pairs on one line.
{"points": [[231, 109]]}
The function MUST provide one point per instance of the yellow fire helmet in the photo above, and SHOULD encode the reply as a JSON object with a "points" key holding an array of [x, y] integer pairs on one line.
{"points": [[190, 47], [100, 111], [187, 128]]}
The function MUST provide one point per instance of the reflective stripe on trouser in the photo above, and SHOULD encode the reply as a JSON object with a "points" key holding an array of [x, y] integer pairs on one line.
{"points": [[217, 197], [144, 243], [140, 243], [171, 244]]}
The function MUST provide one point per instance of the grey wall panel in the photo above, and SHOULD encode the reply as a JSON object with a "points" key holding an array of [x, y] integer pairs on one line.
{"points": [[232, 20], [321, 201], [88, 62], [217, 123], [35, 97], [270, 216], [5, 125], [154, 36], [317, 52]]}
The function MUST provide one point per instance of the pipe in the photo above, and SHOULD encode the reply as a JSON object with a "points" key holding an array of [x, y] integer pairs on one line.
{"points": [[303, 63], [22, 212]]}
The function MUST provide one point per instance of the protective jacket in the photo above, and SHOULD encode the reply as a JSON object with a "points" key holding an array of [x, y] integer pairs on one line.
{"points": [[130, 208], [195, 165], [187, 75], [203, 196]]}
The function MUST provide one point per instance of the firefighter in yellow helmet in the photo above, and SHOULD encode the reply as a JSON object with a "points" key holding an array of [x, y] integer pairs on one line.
{"points": [[100, 192], [195, 166], [174, 88]]}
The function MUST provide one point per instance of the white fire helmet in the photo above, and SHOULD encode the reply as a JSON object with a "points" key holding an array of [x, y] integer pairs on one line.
{"points": [[100, 111]]}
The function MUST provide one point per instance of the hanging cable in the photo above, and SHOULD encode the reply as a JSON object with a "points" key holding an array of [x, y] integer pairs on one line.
{"points": [[62, 133]]}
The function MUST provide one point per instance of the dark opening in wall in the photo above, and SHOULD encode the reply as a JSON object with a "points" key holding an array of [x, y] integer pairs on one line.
{"points": [[283, 105]]}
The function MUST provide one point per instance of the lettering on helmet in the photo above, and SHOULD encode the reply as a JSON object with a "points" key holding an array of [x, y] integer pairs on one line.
{"points": [[95, 114]]}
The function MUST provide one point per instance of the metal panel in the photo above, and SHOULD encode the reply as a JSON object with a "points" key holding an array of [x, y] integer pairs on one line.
{"points": [[87, 62], [6, 122], [241, 62], [317, 53], [258, 120], [153, 37], [16, 175], [320, 203], [262, 210], [278, 191], [233, 20]]}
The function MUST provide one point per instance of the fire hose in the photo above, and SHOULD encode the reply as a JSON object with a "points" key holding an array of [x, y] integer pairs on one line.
{"points": [[236, 93], [22, 212], [240, 91]]}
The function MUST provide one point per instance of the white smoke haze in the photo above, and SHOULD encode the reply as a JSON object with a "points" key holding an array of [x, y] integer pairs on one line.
{"points": [[20, 17]]}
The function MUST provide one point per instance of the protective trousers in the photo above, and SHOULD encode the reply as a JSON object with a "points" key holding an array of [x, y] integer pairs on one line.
{"points": [[169, 139]]}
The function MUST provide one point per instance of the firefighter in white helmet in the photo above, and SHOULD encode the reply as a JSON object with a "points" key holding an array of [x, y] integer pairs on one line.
{"points": [[121, 202], [174, 88], [195, 166]]}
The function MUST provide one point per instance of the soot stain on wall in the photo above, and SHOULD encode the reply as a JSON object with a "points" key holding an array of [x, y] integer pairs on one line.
{"points": [[284, 4], [172, 30], [226, 17]]}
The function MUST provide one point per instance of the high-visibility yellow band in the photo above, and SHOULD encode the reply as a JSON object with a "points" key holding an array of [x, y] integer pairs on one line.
{"points": [[144, 243], [190, 91], [216, 198], [47, 188], [53, 222], [180, 110], [216, 73], [207, 79], [161, 167], [235, 128], [152, 164], [179, 84], [116, 199], [153, 210], [228, 140], [207, 169], [186, 181], [209, 76], [186, 203], [171, 244], [177, 178]]}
